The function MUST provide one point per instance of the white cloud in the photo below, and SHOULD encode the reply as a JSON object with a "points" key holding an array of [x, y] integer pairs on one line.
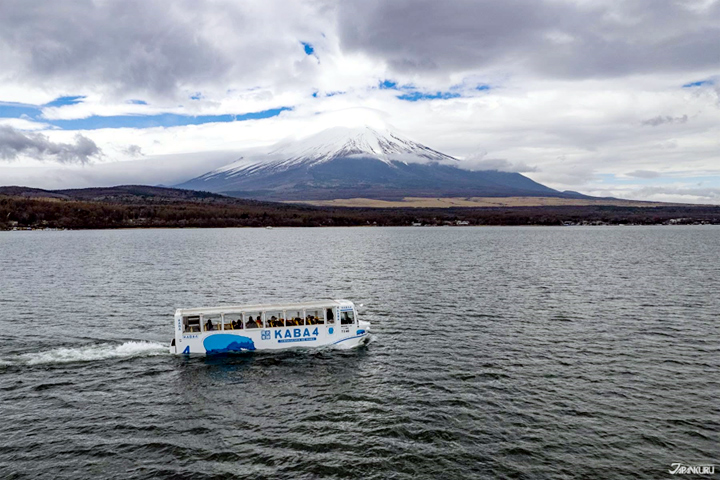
{"points": [[675, 193], [24, 124], [643, 174]]}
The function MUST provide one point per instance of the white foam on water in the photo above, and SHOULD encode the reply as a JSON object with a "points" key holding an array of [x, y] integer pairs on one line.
{"points": [[89, 353]]}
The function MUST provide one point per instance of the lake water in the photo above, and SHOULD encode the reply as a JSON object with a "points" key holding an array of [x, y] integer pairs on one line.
{"points": [[496, 353]]}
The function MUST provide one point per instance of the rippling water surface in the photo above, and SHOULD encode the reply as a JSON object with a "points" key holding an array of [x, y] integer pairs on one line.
{"points": [[497, 353]]}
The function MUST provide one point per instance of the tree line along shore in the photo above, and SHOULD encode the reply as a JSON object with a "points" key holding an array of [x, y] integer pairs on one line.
{"points": [[212, 211]]}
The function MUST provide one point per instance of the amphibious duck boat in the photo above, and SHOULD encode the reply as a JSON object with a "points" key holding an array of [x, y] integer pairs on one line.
{"points": [[268, 327]]}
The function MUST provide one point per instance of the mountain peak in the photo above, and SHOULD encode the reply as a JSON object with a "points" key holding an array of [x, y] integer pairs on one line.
{"points": [[368, 142], [378, 143]]}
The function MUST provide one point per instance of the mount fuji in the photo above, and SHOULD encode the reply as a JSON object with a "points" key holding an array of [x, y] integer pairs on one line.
{"points": [[373, 163]]}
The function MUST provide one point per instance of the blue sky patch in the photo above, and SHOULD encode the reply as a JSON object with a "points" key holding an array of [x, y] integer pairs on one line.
{"points": [[412, 94], [316, 94], [18, 110], [161, 120], [700, 83], [34, 113], [309, 50], [63, 101], [415, 96], [482, 87], [391, 85], [137, 102]]}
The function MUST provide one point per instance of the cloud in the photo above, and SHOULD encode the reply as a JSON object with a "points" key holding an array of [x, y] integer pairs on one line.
{"points": [[681, 194], [23, 124], [14, 143], [570, 39], [166, 170], [660, 120], [143, 49], [137, 48], [479, 162], [133, 151], [644, 174]]}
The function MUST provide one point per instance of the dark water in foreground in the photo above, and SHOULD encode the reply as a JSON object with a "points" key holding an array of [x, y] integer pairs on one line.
{"points": [[497, 353]]}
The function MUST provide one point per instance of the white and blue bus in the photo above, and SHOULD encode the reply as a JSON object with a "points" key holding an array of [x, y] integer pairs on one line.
{"points": [[244, 328]]}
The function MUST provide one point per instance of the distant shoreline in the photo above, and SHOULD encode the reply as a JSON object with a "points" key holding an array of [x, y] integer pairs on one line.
{"points": [[39, 229], [132, 207]]}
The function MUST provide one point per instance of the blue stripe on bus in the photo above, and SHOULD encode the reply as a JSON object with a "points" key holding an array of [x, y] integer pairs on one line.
{"points": [[349, 338]]}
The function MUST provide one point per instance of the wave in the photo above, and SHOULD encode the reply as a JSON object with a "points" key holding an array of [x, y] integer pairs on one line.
{"points": [[88, 353]]}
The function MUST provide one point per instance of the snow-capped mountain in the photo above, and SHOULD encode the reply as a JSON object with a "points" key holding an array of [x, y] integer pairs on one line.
{"points": [[357, 162], [339, 142]]}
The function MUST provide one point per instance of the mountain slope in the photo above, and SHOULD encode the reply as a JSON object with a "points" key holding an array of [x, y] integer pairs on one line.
{"points": [[362, 162]]}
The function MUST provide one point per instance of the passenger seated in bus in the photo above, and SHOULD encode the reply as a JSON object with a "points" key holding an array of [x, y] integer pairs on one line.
{"points": [[251, 323], [208, 325], [258, 322]]}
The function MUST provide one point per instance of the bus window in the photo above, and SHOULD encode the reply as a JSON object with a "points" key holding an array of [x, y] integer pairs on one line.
{"points": [[347, 318], [274, 319], [253, 320], [191, 324], [294, 317], [329, 315], [233, 321], [211, 322], [313, 317]]}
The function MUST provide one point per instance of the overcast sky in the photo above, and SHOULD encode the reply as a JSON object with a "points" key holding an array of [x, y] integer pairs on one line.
{"points": [[603, 97]]}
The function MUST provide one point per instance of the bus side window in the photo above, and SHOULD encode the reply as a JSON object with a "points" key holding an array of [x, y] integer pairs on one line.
{"points": [[347, 318], [274, 319], [295, 318], [313, 317], [191, 324], [212, 322], [253, 320], [329, 315], [233, 321]]}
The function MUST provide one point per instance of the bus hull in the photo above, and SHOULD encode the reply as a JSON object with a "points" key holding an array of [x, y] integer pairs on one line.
{"points": [[271, 339]]}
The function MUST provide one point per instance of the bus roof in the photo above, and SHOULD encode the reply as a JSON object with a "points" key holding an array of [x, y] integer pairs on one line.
{"points": [[262, 307]]}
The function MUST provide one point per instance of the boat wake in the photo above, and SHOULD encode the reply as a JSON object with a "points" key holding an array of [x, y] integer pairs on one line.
{"points": [[88, 353]]}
